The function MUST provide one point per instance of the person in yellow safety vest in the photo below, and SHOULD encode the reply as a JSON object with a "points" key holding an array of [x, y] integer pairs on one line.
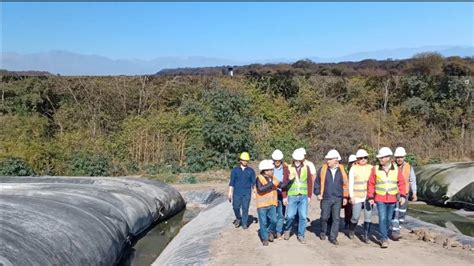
{"points": [[298, 195], [331, 188], [385, 185], [410, 184], [266, 198], [358, 178], [348, 208]]}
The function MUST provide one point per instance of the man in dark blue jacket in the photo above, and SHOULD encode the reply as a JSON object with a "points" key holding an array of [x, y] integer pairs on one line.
{"points": [[331, 188], [242, 181]]}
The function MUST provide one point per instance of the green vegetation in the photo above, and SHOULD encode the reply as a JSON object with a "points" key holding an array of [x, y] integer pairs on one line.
{"points": [[158, 125]]}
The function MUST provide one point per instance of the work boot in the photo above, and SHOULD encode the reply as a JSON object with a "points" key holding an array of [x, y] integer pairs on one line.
{"points": [[396, 236], [334, 242], [322, 236], [352, 227], [270, 237], [384, 244], [286, 235], [265, 242], [237, 223], [365, 236], [279, 236], [301, 240]]}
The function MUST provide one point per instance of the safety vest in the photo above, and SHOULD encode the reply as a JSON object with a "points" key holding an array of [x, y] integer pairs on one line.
{"points": [[345, 186], [361, 176], [269, 198], [300, 183], [406, 170], [386, 183]]}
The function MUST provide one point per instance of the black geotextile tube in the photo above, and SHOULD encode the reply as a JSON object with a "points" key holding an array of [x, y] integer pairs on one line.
{"points": [[78, 220]]}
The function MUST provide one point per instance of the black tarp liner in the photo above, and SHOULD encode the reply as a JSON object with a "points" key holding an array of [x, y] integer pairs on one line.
{"points": [[78, 220]]}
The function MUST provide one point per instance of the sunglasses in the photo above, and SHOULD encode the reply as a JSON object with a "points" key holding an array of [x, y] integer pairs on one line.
{"points": [[363, 158]]}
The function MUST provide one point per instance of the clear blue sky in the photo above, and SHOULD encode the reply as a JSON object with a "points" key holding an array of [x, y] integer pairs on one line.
{"points": [[232, 30]]}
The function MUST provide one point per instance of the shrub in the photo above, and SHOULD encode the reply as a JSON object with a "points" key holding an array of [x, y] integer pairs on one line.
{"points": [[15, 167], [90, 165]]}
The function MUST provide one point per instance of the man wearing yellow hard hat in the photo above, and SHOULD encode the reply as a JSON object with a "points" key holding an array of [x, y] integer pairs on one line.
{"points": [[242, 181]]}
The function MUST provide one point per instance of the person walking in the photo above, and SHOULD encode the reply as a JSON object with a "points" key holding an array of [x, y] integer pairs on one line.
{"points": [[242, 181], [267, 200], [279, 171], [298, 195], [331, 188], [348, 208], [410, 185], [385, 183], [358, 177]]}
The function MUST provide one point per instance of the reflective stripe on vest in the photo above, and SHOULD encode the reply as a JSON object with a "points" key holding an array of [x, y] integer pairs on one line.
{"points": [[406, 170], [345, 180], [361, 176], [300, 185], [386, 183], [269, 198]]}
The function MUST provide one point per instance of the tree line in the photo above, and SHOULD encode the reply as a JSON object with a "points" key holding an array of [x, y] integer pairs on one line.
{"points": [[127, 125]]}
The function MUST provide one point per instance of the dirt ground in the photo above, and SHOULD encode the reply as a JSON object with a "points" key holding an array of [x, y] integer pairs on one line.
{"points": [[240, 247]]}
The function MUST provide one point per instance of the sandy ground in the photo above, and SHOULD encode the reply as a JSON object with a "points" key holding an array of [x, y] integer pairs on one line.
{"points": [[238, 247]]}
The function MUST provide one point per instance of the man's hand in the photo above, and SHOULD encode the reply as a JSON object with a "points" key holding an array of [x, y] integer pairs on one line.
{"points": [[371, 202], [309, 199], [352, 201], [254, 195], [402, 200], [319, 197], [415, 198], [229, 196], [285, 201], [344, 202]]}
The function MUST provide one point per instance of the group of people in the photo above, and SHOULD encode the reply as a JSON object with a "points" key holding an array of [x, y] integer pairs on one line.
{"points": [[283, 192]]}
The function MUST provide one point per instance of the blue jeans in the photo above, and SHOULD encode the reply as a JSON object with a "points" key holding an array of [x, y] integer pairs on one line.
{"points": [[267, 220], [241, 201], [280, 212], [385, 211], [297, 203]]}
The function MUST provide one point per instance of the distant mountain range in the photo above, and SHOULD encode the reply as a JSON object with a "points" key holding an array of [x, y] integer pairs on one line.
{"points": [[68, 63]]}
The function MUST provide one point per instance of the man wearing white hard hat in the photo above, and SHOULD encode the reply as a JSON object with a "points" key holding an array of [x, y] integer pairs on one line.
{"points": [[385, 183], [267, 200], [331, 188], [358, 177], [298, 195], [279, 171], [410, 184]]}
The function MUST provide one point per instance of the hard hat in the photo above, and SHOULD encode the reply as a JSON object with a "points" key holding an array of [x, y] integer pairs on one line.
{"points": [[277, 155], [352, 158], [245, 156], [298, 155], [333, 154], [361, 153], [400, 152], [265, 165], [303, 150], [384, 151]]}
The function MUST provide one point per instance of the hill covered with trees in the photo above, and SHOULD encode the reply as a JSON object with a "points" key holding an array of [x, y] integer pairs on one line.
{"points": [[195, 121]]}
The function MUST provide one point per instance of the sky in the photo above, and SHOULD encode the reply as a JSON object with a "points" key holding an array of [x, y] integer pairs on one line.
{"points": [[237, 31]]}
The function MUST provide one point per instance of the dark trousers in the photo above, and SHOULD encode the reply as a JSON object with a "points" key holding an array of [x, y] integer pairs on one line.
{"points": [[330, 207], [347, 214], [241, 201]]}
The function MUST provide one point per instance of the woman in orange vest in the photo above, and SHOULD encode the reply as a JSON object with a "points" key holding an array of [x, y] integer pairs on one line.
{"points": [[267, 200]]}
